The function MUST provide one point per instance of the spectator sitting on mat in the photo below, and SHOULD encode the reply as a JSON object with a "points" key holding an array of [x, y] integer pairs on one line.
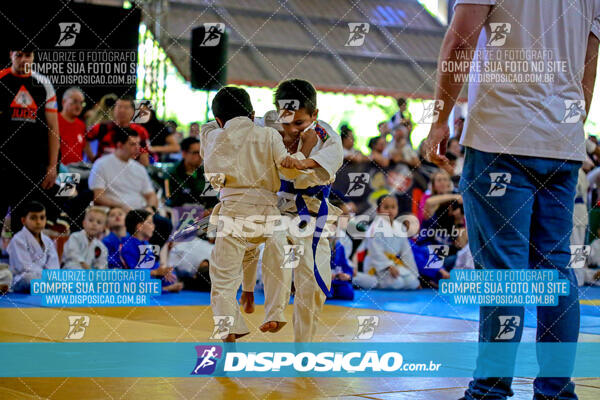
{"points": [[84, 248], [389, 261], [117, 236], [30, 251], [138, 253]]}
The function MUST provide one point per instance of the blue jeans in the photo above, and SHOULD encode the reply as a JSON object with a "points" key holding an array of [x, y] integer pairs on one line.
{"points": [[524, 222]]}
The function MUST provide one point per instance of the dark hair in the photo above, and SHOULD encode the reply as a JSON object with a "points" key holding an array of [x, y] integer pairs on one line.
{"points": [[450, 156], [231, 102], [194, 123], [297, 89], [401, 101], [22, 45], [134, 218], [381, 198], [32, 206], [188, 142], [442, 216], [121, 135], [373, 141], [127, 98], [345, 131]]}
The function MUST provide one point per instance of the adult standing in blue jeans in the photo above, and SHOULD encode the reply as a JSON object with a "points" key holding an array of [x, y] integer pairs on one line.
{"points": [[524, 143]]}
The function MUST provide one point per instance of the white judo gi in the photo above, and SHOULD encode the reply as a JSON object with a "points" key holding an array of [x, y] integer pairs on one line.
{"points": [[309, 297], [242, 161], [387, 245], [27, 258], [78, 249]]}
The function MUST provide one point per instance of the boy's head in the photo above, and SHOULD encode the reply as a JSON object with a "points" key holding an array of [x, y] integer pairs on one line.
{"points": [[94, 221], [139, 224], [231, 102], [305, 94], [33, 217], [116, 218]]}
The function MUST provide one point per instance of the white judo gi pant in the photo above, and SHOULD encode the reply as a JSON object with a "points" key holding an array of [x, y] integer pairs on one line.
{"points": [[309, 297], [227, 259]]}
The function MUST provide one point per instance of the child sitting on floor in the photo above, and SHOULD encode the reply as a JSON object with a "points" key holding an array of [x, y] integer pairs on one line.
{"points": [[117, 236], [84, 248], [30, 251], [389, 261], [137, 252]]}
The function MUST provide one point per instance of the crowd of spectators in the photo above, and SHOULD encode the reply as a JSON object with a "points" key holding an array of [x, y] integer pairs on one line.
{"points": [[138, 180]]}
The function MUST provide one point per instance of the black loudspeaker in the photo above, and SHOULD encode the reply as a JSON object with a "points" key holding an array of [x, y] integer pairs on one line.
{"points": [[209, 56]]}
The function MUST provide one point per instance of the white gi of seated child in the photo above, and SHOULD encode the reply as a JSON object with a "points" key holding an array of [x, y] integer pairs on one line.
{"points": [[389, 263]]}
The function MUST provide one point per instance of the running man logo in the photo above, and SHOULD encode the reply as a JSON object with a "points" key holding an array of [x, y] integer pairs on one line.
{"points": [[77, 326], [291, 256], [431, 111], [508, 326], [366, 326], [499, 183], [207, 359], [213, 31], [358, 182], [216, 180], [498, 33], [574, 111], [223, 324], [148, 255], [579, 255], [358, 33], [437, 254], [68, 33], [287, 110], [143, 112], [67, 182]]}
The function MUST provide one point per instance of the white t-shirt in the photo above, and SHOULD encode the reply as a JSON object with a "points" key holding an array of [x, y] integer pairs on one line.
{"points": [[507, 112], [187, 256], [124, 182]]}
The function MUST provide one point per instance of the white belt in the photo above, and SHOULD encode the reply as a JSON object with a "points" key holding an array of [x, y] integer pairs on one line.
{"points": [[255, 196]]}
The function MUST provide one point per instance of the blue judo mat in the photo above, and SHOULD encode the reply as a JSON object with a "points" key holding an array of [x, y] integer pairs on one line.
{"points": [[422, 302]]}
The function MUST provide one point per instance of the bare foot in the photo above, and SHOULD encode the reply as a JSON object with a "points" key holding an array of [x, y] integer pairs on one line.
{"points": [[176, 287], [271, 326], [247, 301], [230, 338]]}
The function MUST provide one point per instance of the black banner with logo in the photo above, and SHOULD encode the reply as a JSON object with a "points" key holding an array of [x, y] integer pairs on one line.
{"points": [[89, 46]]}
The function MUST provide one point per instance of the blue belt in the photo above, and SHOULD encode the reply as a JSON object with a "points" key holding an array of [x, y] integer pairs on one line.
{"points": [[322, 193], [578, 200]]}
